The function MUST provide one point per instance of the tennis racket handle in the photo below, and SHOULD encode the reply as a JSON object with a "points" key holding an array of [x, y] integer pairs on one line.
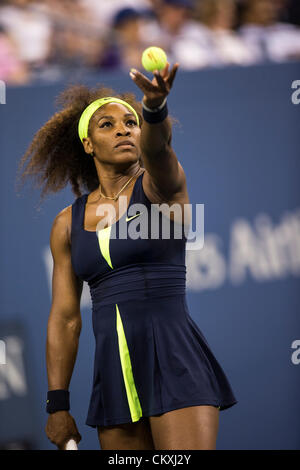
{"points": [[71, 445]]}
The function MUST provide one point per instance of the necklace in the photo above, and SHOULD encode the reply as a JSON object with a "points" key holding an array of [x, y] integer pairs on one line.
{"points": [[117, 195]]}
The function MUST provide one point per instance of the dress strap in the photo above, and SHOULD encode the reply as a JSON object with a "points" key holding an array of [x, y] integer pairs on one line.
{"points": [[140, 195], [78, 212]]}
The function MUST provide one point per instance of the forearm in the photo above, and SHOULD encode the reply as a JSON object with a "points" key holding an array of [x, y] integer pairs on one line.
{"points": [[156, 138], [61, 351], [159, 159]]}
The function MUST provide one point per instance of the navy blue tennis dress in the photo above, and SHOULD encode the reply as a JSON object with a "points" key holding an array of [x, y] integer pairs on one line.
{"points": [[150, 356]]}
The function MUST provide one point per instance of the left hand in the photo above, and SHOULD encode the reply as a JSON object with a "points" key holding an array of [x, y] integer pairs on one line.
{"points": [[155, 91]]}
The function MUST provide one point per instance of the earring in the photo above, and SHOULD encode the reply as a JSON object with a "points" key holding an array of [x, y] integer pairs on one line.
{"points": [[92, 154]]}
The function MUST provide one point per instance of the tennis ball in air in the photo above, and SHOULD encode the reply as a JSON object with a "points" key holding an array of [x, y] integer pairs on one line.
{"points": [[154, 58]]}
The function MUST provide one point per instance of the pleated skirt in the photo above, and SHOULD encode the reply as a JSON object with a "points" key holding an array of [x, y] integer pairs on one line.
{"points": [[151, 358]]}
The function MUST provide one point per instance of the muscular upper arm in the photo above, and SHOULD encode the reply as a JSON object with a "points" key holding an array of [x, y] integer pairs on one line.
{"points": [[66, 286], [158, 190], [165, 174]]}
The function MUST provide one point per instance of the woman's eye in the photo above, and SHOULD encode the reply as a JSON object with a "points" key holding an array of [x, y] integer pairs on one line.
{"points": [[131, 122]]}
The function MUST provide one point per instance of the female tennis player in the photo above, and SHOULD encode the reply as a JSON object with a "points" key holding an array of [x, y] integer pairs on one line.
{"points": [[156, 382]]}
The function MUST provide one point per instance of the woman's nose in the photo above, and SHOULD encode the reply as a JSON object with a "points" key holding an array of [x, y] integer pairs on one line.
{"points": [[122, 129], [123, 132]]}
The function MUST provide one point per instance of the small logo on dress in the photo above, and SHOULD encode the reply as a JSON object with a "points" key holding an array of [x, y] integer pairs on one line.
{"points": [[136, 215]]}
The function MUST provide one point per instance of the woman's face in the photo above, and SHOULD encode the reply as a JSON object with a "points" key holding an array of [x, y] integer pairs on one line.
{"points": [[109, 126]]}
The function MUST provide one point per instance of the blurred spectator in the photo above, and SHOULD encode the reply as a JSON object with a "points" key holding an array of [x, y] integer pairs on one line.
{"points": [[269, 38], [174, 16], [215, 43], [106, 10], [175, 21], [127, 40], [29, 29], [174, 29], [12, 70], [51, 39], [134, 30], [77, 39]]}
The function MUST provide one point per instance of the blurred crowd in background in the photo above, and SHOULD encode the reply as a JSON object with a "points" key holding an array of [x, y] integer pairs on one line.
{"points": [[52, 39]]}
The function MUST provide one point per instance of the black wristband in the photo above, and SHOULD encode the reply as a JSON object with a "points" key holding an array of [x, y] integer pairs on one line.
{"points": [[58, 400], [157, 116]]}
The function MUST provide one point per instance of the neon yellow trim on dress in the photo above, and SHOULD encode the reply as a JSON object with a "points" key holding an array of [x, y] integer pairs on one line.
{"points": [[132, 396], [85, 117], [104, 239]]}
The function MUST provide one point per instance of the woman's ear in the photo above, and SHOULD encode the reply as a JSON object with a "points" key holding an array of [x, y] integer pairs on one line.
{"points": [[87, 145]]}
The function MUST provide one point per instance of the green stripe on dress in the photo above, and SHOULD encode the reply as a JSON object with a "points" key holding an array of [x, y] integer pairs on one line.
{"points": [[104, 239], [132, 396]]}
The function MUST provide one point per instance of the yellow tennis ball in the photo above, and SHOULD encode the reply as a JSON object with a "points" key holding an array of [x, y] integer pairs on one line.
{"points": [[154, 58]]}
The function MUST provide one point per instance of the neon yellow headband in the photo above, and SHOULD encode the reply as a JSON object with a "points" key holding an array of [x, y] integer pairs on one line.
{"points": [[83, 124]]}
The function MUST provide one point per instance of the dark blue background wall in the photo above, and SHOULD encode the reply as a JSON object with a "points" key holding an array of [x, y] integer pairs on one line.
{"points": [[238, 141]]}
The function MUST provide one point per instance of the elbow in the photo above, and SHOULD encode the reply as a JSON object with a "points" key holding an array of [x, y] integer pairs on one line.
{"points": [[70, 322], [74, 326]]}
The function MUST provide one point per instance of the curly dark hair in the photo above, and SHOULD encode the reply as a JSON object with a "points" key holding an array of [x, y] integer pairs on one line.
{"points": [[56, 155]]}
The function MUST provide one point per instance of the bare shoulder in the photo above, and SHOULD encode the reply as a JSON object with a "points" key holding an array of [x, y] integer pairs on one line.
{"points": [[61, 227], [66, 285]]}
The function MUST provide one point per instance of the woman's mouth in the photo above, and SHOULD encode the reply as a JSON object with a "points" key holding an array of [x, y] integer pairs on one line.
{"points": [[125, 144]]}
